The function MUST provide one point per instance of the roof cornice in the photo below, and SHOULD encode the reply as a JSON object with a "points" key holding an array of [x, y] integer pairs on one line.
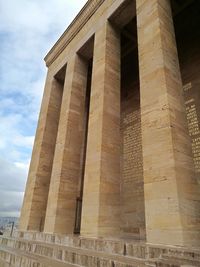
{"points": [[76, 25]]}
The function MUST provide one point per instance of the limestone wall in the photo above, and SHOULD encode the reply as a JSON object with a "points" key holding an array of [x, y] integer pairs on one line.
{"points": [[132, 190], [188, 42]]}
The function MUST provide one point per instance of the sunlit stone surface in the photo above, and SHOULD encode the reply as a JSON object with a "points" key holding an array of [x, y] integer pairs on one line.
{"points": [[114, 178]]}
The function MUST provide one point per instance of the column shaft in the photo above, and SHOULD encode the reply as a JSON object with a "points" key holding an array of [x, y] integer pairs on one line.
{"points": [[171, 192], [100, 215], [37, 187], [67, 169]]}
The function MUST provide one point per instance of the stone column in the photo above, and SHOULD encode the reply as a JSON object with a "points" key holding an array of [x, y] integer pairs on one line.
{"points": [[100, 211], [171, 192], [67, 169], [37, 187]]}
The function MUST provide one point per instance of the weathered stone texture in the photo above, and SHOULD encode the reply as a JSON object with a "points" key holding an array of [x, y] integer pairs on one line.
{"points": [[129, 136], [171, 190], [35, 199], [188, 48], [67, 169], [112, 253], [132, 183], [101, 197]]}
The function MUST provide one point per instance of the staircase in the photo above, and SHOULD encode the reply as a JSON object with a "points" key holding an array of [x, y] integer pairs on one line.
{"points": [[31, 249]]}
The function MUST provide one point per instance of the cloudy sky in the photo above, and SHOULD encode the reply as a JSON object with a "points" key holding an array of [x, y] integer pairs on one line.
{"points": [[28, 29]]}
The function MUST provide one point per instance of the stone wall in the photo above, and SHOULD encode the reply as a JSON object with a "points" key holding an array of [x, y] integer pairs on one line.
{"points": [[131, 164], [188, 43], [132, 183]]}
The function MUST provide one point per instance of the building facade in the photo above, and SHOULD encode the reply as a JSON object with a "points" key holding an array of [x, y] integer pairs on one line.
{"points": [[117, 147]]}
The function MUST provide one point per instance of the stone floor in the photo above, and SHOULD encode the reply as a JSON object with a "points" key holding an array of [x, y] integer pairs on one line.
{"points": [[44, 250]]}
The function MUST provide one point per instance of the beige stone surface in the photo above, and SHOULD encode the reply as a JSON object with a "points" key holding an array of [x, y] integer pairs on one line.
{"points": [[23, 252], [188, 48], [67, 169], [139, 175], [132, 184], [87, 26], [37, 187], [101, 197], [171, 191]]}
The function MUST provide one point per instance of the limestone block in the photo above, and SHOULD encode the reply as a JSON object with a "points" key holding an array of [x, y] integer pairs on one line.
{"points": [[111, 246], [101, 197], [136, 250], [67, 169], [37, 187], [87, 243], [171, 192]]}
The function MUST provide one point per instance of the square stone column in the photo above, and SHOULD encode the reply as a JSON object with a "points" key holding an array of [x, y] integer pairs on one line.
{"points": [[67, 169], [101, 195], [171, 191], [37, 187]]}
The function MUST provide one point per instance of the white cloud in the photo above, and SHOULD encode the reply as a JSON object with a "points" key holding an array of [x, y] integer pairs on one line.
{"points": [[10, 203], [26, 141], [12, 183], [28, 29], [12, 177], [23, 166]]}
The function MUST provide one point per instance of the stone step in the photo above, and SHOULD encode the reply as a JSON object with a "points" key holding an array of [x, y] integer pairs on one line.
{"points": [[138, 249], [93, 252], [96, 245], [17, 258], [179, 259], [4, 264], [72, 255], [177, 255], [172, 262], [115, 246]]}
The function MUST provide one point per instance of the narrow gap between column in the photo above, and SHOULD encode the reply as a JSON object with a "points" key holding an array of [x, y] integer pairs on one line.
{"points": [[132, 184], [87, 53], [57, 95]]}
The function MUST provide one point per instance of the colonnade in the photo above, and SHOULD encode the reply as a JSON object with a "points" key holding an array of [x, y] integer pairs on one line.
{"points": [[57, 164]]}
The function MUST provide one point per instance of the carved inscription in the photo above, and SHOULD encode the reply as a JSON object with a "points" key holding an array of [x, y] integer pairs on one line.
{"points": [[193, 124], [132, 147], [132, 185], [191, 97]]}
